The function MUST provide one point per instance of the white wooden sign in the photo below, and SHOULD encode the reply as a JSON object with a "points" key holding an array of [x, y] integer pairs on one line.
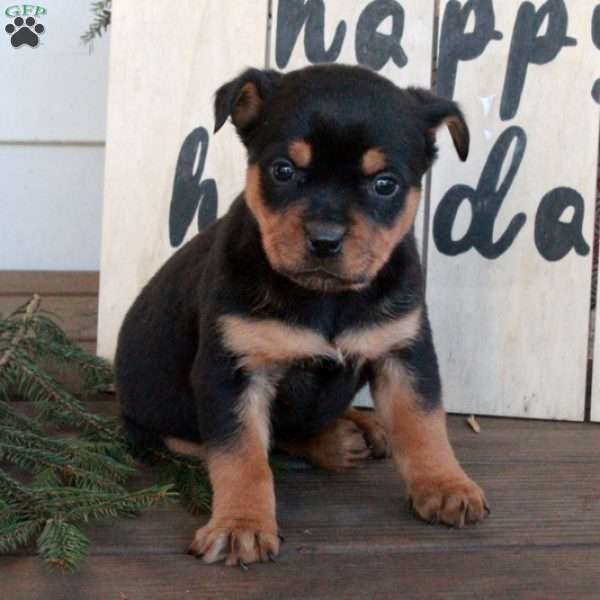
{"points": [[509, 264], [394, 38], [166, 63], [507, 243]]}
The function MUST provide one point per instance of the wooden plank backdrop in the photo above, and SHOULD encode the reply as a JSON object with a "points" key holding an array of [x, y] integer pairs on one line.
{"points": [[70, 296], [166, 63], [509, 263], [507, 243]]}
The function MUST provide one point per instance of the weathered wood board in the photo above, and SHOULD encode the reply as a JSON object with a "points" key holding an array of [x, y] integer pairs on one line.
{"points": [[509, 264], [161, 103]]}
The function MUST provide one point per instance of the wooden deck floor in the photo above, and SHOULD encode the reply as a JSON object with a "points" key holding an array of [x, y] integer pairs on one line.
{"points": [[351, 535]]}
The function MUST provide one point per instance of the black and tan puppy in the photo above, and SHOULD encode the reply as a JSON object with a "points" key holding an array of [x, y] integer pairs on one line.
{"points": [[261, 329]]}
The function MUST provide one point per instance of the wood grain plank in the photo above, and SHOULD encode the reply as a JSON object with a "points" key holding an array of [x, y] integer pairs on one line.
{"points": [[542, 486], [351, 535], [533, 504], [52, 283], [507, 573], [77, 315]]}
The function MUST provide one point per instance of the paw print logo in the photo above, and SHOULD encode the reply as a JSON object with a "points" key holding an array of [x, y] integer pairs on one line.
{"points": [[24, 32]]}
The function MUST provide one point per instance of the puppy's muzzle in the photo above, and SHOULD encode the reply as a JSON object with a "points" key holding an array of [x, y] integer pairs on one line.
{"points": [[324, 239]]}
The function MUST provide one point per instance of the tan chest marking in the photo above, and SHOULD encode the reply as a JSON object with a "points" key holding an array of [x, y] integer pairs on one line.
{"points": [[373, 342], [268, 342], [264, 343]]}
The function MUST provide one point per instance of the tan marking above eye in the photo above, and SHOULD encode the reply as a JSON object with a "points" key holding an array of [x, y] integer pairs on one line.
{"points": [[373, 161], [373, 342], [301, 153]]}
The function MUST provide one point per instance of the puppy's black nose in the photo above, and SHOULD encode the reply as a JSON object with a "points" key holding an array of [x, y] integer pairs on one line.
{"points": [[324, 239]]}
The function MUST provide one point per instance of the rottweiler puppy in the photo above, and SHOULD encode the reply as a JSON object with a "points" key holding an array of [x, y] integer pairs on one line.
{"points": [[260, 330]]}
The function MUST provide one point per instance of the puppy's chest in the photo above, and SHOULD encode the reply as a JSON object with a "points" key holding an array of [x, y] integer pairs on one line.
{"points": [[261, 343]]}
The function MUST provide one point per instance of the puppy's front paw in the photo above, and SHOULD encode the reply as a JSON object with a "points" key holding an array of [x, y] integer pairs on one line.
{"points": [[238, 541], [453, 500]]}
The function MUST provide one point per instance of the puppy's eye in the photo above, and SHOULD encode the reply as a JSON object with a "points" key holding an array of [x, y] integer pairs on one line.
{"points": [[385, 186], [283, 170]]}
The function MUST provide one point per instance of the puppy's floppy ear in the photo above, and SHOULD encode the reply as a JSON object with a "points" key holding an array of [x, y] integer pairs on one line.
{"points": [[439, 111], [243, 98]]}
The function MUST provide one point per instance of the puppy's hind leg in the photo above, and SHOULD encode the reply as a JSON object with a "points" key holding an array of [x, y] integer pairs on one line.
{"points": [[185, 447], [338, 447], [372, 429]]}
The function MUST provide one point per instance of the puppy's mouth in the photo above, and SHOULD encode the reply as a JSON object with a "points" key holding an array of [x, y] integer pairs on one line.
{"points": [[324, 279]]}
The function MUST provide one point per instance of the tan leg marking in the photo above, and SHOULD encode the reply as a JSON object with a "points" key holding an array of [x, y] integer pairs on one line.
{"points": [[437, 486], [339, 447], [243, 527]]}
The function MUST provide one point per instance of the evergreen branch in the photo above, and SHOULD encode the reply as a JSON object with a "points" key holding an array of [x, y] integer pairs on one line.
{"points": [[62, 545], [33, 459], [127, 504], [79, 454], [13, 491], [57, 404], [8, 515], [75, 479], [19, 534], [195, 491], [51, 341], [102, 17], [16, 419], [20, 332]]}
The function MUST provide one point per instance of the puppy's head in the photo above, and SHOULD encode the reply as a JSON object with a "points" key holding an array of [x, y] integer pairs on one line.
{"points": [[336, 155]]}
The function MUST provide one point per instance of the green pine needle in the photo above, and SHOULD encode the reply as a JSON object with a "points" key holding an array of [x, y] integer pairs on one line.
{"points": [[69, 465], [102, 16], [17, 534], [62, 545]]}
